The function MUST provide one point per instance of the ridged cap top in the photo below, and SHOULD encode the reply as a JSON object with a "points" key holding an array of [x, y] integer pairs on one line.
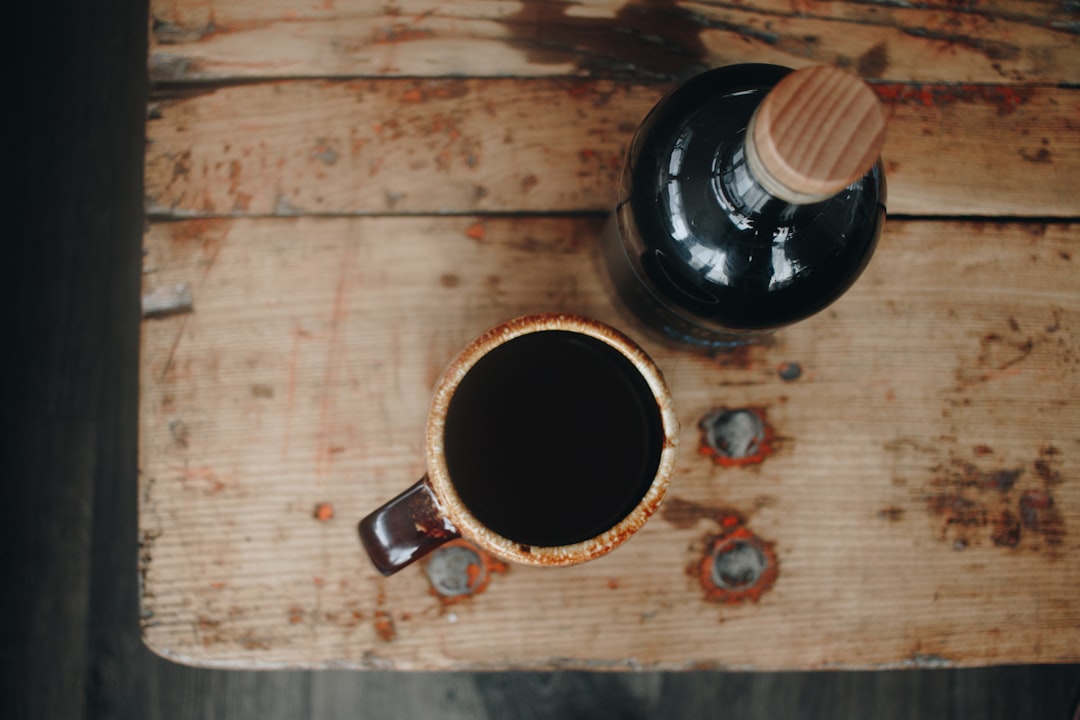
{"points": [[819, 130]]}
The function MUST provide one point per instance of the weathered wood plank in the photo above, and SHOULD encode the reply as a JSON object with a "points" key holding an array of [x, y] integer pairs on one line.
{"points": [[554, 145], [921, 491], [1006, 41]]}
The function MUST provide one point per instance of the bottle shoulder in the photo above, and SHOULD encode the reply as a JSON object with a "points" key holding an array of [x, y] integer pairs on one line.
{"points": [[694, 232]]}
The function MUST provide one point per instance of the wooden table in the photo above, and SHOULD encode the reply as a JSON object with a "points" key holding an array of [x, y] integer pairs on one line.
{"points": [[341, 195]]}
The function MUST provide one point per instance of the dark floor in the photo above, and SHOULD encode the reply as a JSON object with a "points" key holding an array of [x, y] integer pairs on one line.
{"points": [[70, 639]]}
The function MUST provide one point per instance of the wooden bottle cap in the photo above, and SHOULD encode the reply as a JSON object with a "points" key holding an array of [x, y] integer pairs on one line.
{"points": [[819, 130]]}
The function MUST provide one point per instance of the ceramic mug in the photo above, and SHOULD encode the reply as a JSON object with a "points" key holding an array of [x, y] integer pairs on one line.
{"points": [[550, 440]]}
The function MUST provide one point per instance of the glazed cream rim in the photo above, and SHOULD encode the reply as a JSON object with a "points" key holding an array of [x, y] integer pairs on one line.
{"points": [[446, 496]]}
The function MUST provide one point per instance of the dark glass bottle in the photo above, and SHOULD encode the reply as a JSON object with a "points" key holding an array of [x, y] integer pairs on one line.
{"points": [[700, 250]]}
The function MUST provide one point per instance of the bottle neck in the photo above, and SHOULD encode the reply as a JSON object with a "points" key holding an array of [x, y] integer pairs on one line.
{"points": [[741, 180]]}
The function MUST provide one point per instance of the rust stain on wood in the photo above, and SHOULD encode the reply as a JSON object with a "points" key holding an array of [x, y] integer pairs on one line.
{"points": [[737, 567], [730, 562], [1040, 448], [1038, 514], [685, 514], [736, 437], [459, 571], [999, 504], [285, 171], [207, 233], [1006, 98]]}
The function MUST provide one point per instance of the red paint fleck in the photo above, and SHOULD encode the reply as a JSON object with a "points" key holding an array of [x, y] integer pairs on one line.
{"points": [[217, 585], [323, 511], [384, 626], [296, 615], [981, 450], [476, 231], [613, 583]]}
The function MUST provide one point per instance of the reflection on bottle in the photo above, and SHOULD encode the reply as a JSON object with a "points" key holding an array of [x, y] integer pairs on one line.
{"points": [[706, 245]]}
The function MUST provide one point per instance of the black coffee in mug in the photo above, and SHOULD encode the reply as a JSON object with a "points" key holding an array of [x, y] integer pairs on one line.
{"points": [[552, 438]]}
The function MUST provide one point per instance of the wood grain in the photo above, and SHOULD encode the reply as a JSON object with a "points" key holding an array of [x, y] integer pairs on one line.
{"points": [[819, 130], [302, 377], [1005, 41], [72, 338], [472, 145]]}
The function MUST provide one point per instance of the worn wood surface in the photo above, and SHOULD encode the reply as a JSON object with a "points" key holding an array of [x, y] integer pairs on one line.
{"points": [[1011, 41], [352, 192], [71, 639], [926, 411], [470, 145]]}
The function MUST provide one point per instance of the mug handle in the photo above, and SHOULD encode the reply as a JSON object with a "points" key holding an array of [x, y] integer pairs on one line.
{"points": [[405, 529]]}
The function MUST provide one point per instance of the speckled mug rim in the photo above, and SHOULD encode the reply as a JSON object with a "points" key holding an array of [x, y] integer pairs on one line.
{"points": [[454, 509]]}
